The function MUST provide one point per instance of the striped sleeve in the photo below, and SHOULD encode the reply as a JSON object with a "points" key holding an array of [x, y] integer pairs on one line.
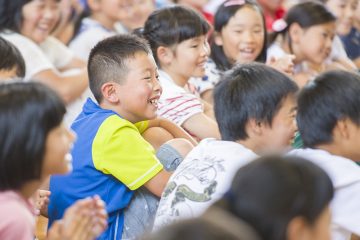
{"points": [[179, 108]]}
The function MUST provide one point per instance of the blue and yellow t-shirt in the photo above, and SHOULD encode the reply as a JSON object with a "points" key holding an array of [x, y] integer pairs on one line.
{"points": [[110, 159]]}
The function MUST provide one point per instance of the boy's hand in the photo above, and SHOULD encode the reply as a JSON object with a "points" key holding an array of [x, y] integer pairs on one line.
{"points": [[86, 219], [42, 202]]}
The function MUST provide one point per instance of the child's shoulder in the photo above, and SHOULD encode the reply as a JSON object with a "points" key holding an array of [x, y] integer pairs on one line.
{"points": [[342, 171]]}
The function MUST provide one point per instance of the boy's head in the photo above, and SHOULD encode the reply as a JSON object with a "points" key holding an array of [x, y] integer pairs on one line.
{"points": [[257, 103], [123, 73], [295, 202], [11, 61], [329, 110]]}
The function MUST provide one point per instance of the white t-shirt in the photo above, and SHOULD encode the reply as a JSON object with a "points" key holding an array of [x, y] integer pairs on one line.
{"points": [[91, 32], [203, 177], [51, 54], [345, 175], [177, 104]]}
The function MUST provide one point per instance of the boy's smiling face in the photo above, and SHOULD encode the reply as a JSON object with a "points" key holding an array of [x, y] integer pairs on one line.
{"points": [[138, 95]]}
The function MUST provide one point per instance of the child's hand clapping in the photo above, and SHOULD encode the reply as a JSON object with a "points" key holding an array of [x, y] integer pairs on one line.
{"points": [[86, 219], [42, 202], [283, 64]]}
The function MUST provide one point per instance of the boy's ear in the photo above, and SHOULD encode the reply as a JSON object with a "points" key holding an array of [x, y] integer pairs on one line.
{"points": [[295, 32], [218, 39], [108, 91], [342, 129], [254, 127], [165, 54]]}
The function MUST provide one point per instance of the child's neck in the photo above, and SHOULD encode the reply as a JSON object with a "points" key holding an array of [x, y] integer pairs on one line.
{"points": [[334, 150], [249, 144], [104, 21], [29, 188], [357, 25], [177, 78]]}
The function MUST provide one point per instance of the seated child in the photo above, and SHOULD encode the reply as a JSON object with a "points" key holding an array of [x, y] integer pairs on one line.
{"points": [[178, 39], [294, 33], [281, 198], [96, 23], [255, 110], [110, 157], [35, 144], [12, 63], [329, 123]]}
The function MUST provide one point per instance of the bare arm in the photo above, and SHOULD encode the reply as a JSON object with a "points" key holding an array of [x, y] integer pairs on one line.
{"points": [[208, 109], [202, 126], [172, 128], [69, 88], [157, 184]]}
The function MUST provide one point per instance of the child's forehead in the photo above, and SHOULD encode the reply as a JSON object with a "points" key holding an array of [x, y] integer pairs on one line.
{"points": [[141, 61]]}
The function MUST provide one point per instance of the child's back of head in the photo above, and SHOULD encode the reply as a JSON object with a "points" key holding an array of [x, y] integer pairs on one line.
{"points": [[248, 92], [108, 60], [330, 98], [29, 111], [11, 61], [296, 191]]}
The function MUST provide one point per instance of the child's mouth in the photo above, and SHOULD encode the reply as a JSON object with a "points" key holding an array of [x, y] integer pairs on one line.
{"points": [[154, 102]]}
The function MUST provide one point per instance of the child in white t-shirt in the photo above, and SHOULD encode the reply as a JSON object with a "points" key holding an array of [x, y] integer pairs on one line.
{"points": [[329, 122], [96, 23], [255, 110]]}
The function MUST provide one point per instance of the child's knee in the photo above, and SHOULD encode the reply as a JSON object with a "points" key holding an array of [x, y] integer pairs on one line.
{"points": [[173, 152]]}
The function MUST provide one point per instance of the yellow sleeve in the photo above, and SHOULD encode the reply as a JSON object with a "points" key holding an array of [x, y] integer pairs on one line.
{"points": [[119, 149], [142, 126]]}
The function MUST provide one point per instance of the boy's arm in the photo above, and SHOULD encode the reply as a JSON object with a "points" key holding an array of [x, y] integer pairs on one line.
{"points": [[156, 185], [172, 128], [202, 126]]}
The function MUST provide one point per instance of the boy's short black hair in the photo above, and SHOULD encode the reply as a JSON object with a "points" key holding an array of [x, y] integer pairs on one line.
{"points": [[332, 96], [11, 58], [108, 60], [295, 187], [28, 112], [249, 91]]}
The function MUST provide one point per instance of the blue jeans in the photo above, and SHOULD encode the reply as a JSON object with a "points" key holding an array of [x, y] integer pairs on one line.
{"points": [[140, 214]]}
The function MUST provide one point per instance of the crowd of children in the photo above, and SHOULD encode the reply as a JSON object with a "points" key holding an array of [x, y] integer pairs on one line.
{"points": [[120, 119]]}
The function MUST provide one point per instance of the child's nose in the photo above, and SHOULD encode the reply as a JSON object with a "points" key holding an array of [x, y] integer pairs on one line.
{"points": [[206, 49]]}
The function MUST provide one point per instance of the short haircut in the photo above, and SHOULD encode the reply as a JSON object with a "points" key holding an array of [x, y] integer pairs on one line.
{"points": [[271, 191], [249, 91], [109, 58], [11, 58], [28, 112], [331, 97], [172, 25]]}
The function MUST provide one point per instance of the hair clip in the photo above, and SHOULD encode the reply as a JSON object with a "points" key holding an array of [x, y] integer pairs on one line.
{"points": [[234, 2], [279, 25]]}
